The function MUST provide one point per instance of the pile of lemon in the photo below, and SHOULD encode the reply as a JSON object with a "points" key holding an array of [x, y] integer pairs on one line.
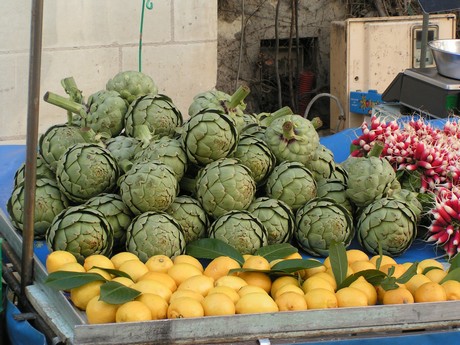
{"points": [[182, 288]]}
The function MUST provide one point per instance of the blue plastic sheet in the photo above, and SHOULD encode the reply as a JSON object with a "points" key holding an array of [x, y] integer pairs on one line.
{"points": [[21, 332]]}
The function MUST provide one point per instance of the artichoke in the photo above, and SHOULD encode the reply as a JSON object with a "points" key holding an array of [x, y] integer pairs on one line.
{"points": [[189, 213], [82, 231], [322, 163], [257, 156], [255, 130], [148, 186], [209, 136], [292, 183], [412, 199], [49, 201], [117, 214], [340, 173], [42, 170], [292, 138], [211, 99], [86, 170], [158, 112], [389, 223], [153, 233], [56, 140], [132, 84], [224, 185], [319, 223], [334, 189], [123, 148], [276, 216], [241, 230]]}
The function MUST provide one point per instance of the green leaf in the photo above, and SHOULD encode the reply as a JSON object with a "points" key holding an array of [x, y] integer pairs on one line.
{"points": [[64, 280], [454, 263], [211, 248], [452, 275], [294, 265], [389, 283], [114, 272], [339, 261], [116, 293], [374, 277], [409, 273], [430, 268], [276, 251], [378, 263]]}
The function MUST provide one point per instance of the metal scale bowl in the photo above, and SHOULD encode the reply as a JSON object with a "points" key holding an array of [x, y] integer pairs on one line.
{"points": [[433, 91]]}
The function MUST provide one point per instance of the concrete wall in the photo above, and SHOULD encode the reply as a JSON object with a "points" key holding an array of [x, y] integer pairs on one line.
{"points": [[94, 40]]}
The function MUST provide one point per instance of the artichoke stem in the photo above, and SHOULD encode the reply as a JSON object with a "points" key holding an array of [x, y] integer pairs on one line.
{"points": [[377, 149], [288, 130], [316, 122], [277, 114], [143, 134], [88, 134], [125, 165], [70, 87], [63, 102], [239, 95]]}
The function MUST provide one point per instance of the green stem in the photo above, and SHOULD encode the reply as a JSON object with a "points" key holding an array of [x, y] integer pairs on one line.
{"points": [[71, 88], [143, 134], [239, 95], [64, 103], [377, 149], [277, 114], [316, 122], [288, 130]]}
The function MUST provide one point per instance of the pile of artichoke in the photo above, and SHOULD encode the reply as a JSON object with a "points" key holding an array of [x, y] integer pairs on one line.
{"points": [[127, 172]]}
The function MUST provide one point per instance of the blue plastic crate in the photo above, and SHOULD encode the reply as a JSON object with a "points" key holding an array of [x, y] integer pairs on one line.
{"points": [[362, 102]]}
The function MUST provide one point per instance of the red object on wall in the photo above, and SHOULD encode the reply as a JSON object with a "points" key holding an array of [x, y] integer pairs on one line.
{"points": [[306, 83]]}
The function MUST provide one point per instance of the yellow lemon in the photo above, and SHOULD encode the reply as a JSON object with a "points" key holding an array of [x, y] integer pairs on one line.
{"points": [[425, 263], [286, 288], [351, 297], [133, 311], [161, 277], [188, 259], [256, 262], [283, 280], [452, 288], [121, 257], [98, 311], [315, 282], [398, 269], [182, 271], [97, 260], [274, 262], [123, 280], [259, 279], [384, 261], [295, 255], [326, 276], [430, 292], [220, 267], [72, 267], [81, 295], [321, 299], [362, 284], [159, 263], [356, 255], [415, 281], [218, 304], [154, 287], [106, 275], [256, 303], [186, 293], [230, 292], [399, 295], [291, 301], [308, 272], [231, 281], [362, 265], [185, 307], [134, 268], [199, 283], [157, 305], [250, 289], [56, 259], [436, 274]]}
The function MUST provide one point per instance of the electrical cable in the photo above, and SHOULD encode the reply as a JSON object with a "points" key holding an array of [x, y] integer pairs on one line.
{"points": [[240, 57], [149, 5], [277, 46]]}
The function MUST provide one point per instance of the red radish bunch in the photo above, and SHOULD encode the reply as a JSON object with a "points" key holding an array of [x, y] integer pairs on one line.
{"points": [[430, 154]]}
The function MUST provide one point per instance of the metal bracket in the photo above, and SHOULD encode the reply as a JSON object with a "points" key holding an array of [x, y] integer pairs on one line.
{"points": [[264, 341]]}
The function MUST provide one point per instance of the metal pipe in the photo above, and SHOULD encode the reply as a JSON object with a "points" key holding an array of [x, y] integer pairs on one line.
{"points": [[424, 40], [337, 101], [11, 255], [31, 145]]}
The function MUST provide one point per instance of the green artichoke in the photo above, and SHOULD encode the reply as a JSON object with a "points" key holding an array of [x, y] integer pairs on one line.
{"points": [[132, 84], [158, 112], [412, 199], [340, 173], [209, 136], [42, 170], [240, 229], [292, 183], [117, 214], [148, 186], [123, 148], [49, 201], [389, 223], [224, 185], [334, 189], [319, 223], [153, 233], [82, 231], [276, 216], [255, 130], [86, 170], [257, 156], [189, 213], [322, 163]]}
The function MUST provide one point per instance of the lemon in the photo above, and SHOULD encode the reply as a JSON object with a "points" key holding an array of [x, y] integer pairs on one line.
{"points": [[316, 282], [188, 259], [259, 279], [399, 295], [134, 268], [220, 267], [362, 265], [199, 283], [230, 292], [308, 272], [56, 259], [250, 289], [256, 262], [98, 311], [436, 274], [295, 255], [123, 280], [429, 263], [398, 269], [161, 277], [72, 267], [182, 271], [97, 260], [430, 292], [351, 297], [218, 304], [321, 299], [185, 307], [159, 263], [106, 275], [121, 257], [283, 280], [231, 281], [385, 260], [291, 301], [356, 255], [154, 287], [186, 293], [286, 288], [362, 284], [452, 288], [157, 305], [133, 311], [415, 281], [81, 295], [256, 303], [328, 277]]}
